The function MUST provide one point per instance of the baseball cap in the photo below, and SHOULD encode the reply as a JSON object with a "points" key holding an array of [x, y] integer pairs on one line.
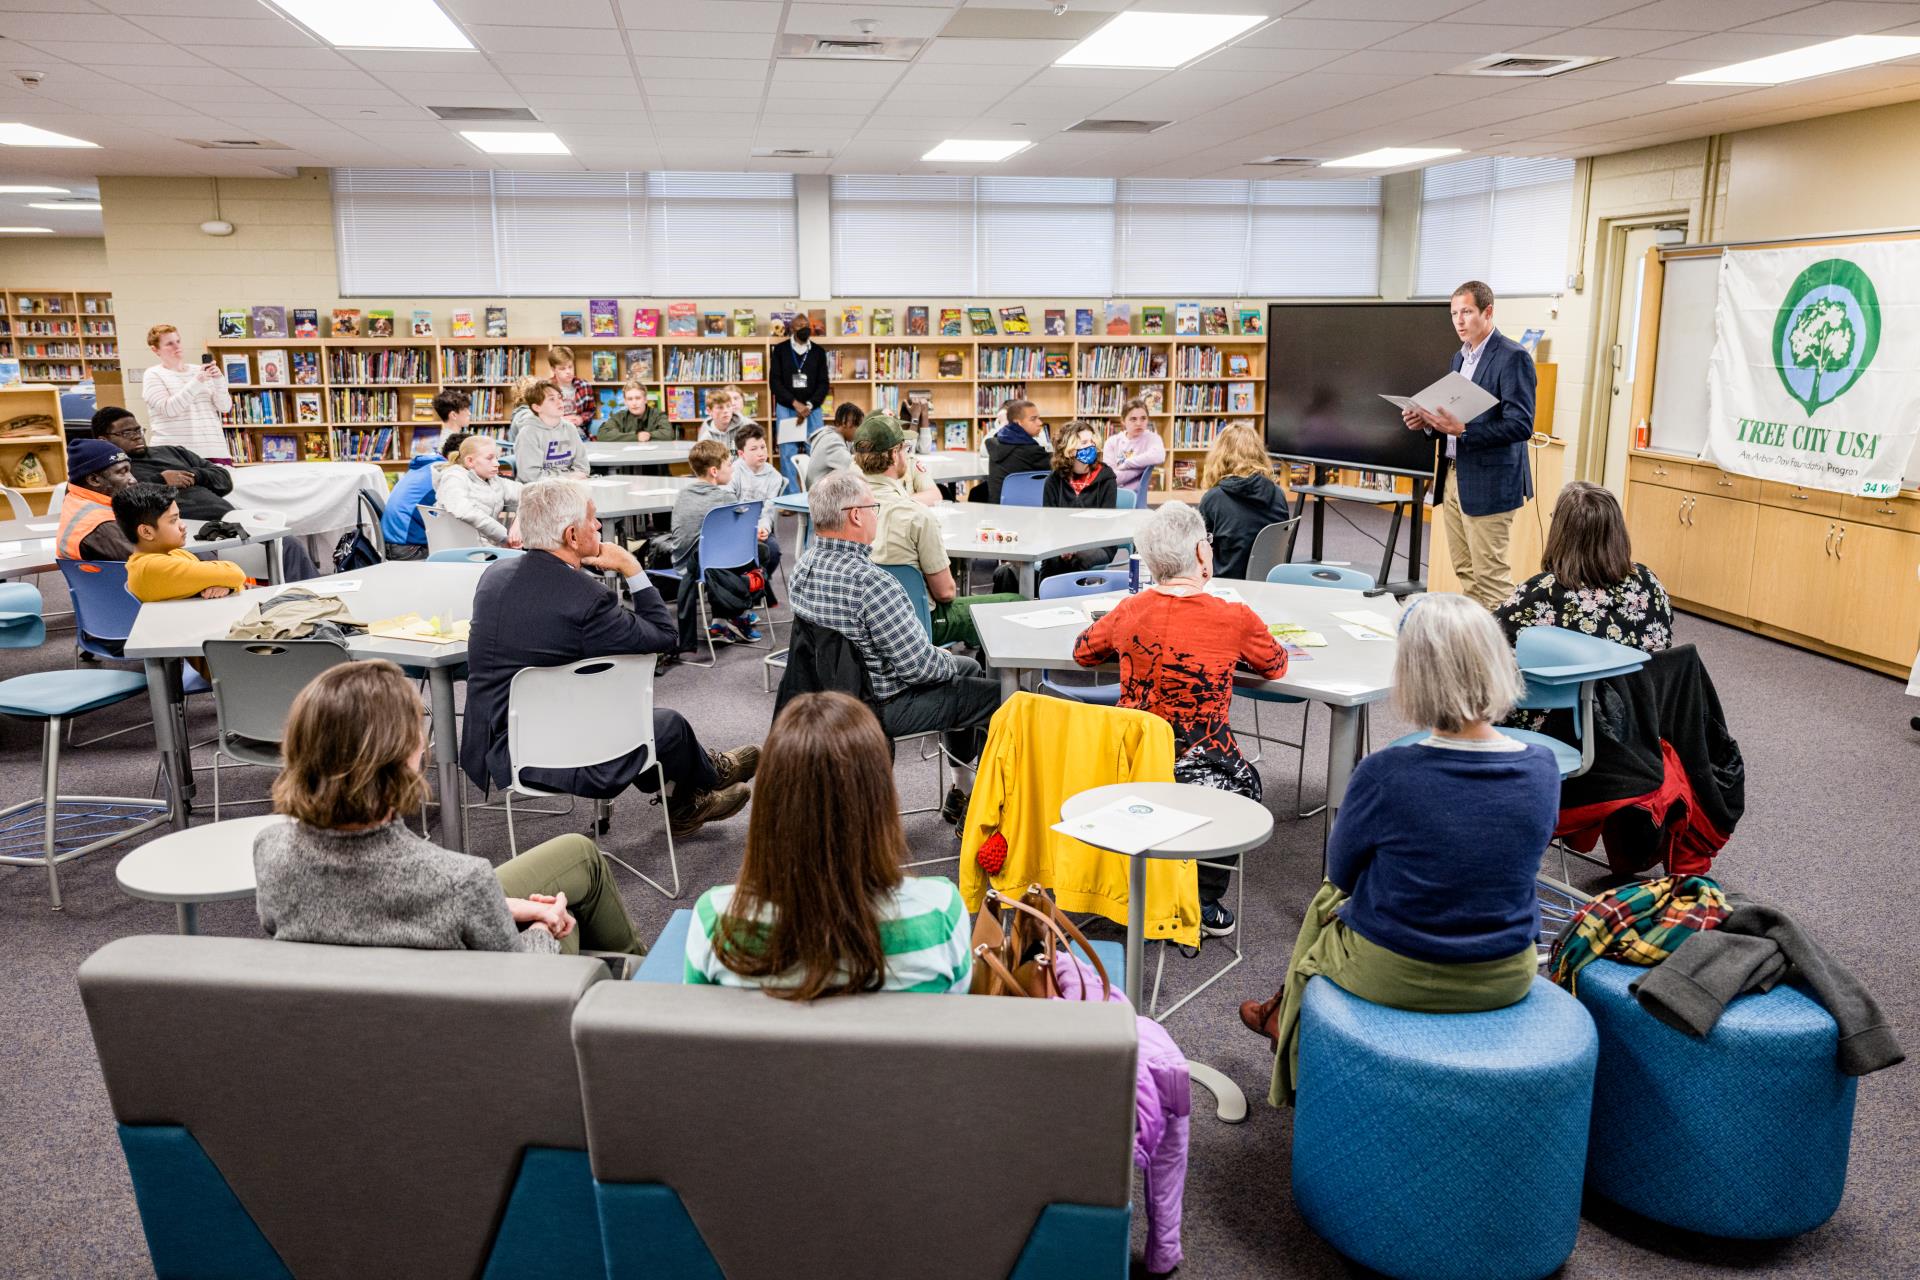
{"points": [[878, 433]]}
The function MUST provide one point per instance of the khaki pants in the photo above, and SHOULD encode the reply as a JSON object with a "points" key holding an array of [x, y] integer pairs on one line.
{"points": [[1478, 547], [572, 865]]}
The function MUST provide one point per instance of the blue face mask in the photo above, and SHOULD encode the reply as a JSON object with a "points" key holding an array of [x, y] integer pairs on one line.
{"points": [[1088, 454]]}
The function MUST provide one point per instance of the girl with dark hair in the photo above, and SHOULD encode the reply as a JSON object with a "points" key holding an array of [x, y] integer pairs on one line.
{"points": [[1080, 480], [1588, 581]]}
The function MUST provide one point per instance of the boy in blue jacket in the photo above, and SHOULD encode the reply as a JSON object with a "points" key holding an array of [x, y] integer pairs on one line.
{"points": [[401, 528]]}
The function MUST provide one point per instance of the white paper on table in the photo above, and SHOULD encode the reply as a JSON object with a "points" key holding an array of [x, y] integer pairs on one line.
{"points": [[1131, 825], [1369, 619], [325, 588], [1096, 515], [1064, 616], [1458, 394], [16, 548], [1361, 633]]}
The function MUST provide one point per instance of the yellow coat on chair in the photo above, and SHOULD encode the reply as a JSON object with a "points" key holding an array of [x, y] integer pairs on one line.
{"points": [[1042, 751]]}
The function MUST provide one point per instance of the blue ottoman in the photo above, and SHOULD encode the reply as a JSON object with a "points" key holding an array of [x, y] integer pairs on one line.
{"points": [[1444, 1146], [1742, 1134]]}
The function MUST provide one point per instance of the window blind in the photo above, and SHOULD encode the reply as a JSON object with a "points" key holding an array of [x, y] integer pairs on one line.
{"points": [[1044, 237], [723, 234], [1179, 237], [1314, 239], [899, 235], [571, 233], [1501, 219], [424, 232]]}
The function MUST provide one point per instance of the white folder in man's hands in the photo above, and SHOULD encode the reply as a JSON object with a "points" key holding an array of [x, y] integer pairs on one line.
{"points": [[1456, 393]]}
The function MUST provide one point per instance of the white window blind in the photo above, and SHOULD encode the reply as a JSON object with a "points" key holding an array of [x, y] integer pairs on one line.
{"points": [[1181, 237], [1501, 219], [895, 235], [434, 233], [1314, 239], [1044, 237]]}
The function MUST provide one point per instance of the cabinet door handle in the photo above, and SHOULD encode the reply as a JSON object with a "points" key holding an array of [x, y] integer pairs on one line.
{"points": [[1839, 537], [1799, 497], [1885, 511], [1829, 543], [1659, 470], [1691, 504], [1680, 512], [1724, 483]]}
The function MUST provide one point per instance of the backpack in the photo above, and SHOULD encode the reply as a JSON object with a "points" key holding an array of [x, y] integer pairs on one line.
{"points": [[357, 549]]}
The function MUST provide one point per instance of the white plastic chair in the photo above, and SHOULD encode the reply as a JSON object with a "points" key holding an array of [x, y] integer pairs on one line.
{"points": [[18, 502], [445, 530], [580, 714], [800, 464]]}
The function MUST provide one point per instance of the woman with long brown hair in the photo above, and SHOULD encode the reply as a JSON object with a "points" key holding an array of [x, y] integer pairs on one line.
{"points": [[1242, 498], [821, 907]]}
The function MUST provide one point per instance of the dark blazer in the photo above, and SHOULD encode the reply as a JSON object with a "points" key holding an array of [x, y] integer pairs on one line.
{"points": [[1491, 463], [782, 365], [537, 610]]}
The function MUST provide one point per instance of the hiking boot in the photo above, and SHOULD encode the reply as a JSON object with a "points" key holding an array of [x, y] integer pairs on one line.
{"points": [[685, 818], [733, 766], [1263, 1018], [954, 811], [1215, 920]]}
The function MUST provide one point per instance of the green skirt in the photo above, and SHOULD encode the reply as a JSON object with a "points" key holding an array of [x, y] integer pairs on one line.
{"points": [[1327, 947]]}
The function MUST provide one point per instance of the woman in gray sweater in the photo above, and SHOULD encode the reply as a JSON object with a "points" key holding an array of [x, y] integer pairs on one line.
{"points": [[347, 870]]}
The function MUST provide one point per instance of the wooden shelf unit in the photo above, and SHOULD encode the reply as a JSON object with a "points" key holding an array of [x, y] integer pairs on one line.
{"points": [[55, 336], [50, 448], [486, 368]]}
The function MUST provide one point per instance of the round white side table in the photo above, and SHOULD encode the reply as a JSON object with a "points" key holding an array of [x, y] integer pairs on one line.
{"points": [[213, 863]]}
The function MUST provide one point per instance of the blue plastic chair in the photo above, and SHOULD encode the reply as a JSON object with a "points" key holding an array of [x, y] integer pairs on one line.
{"points": [[1090, 583], [1338, 577], [1023, 489], [1335, 578], [472, 555], [729, 539], [1139, 487], [61, 827], [1126, 500], [103, 609], [915, 584]]}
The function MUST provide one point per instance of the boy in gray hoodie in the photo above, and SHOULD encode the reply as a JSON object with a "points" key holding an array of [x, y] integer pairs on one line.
{"points": [[545, 445]]}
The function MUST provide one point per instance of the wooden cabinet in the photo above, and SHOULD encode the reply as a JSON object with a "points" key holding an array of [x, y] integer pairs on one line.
{"points": [[1656, 527], [1795, 577], [1879, 572], [1718, 559]]}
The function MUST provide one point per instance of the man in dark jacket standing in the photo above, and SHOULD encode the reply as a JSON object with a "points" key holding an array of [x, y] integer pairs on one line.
{"points": [[1016, 447], [797, 373], [200, 487], [540, 610]]}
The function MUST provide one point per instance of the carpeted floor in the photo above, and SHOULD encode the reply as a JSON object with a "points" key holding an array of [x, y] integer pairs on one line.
{"points": [[1833, 805]]}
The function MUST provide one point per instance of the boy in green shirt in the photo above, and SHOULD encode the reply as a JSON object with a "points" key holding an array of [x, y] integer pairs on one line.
{"points": [[638, 421]]}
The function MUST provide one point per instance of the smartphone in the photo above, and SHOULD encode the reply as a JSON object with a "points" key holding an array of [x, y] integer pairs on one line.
{"points": [[206, 357]]}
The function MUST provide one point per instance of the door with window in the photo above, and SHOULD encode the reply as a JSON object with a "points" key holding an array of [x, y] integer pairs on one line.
{"points": [[1621, 359]]}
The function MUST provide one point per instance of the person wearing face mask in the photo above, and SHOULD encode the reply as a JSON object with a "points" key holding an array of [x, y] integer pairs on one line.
{"points": [[797, 373], [1080, 480]]}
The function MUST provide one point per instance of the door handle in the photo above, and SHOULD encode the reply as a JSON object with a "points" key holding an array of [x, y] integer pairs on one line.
{"points": [[1691, 504], [1680, 512], [1839, 537], [1829, 542]]}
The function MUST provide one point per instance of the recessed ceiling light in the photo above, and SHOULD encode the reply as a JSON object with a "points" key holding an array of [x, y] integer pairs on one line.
{"points": [[33, 191], [25, 135], [77, 206], [516, 143], [1137, 39], [26, 231], [976, 150], [1391, 157], [1814, 60], [376, 24]]}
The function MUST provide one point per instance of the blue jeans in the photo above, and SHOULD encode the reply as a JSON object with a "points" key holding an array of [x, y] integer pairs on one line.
{"points": [[791, 450]]}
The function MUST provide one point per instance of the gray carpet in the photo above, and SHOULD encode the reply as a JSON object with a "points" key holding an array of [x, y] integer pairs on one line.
{"points": [[1829, 834]]}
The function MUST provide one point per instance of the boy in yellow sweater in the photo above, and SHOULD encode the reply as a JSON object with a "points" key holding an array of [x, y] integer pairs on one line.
{"points": [[161, 567]]}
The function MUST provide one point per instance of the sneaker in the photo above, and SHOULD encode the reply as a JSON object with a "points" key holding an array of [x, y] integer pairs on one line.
{"points": [[1215, 920], [720, 633], [954, 811], [743, 630], [705, 806], [749, 618], [733, 766]]}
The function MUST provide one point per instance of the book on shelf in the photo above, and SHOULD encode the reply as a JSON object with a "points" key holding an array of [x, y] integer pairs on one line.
{"points": [[1530, 341], [606, 366], [422, 323], [233, 322], [425, 442], [952, 364], [496, 322], [423, 409], [1239, 397], [882, 322], [306, 407], [306, 322], [1014, 320], [640, 363], [461, 323], [1119, 318], [1186, 319], [682, 401], [1250, 321], [779, 323], [956, 434], [646, 322], [1153, 320], [950, 322], [279, 449], [849, 322], [611, 401], [236, 368], [604, 317], [273, 368], [1186, 473], [314, 443], [1055, 323], [713, 324], [745, 322], [573, 324], [1056, 365], [346, 322], [380, 323], [817, 321], [1238, 366], [752, 366], [1213, 321], [304, 368], [1083, 322], [980, 319], [269, 322], [683, 320], [917, 322]]}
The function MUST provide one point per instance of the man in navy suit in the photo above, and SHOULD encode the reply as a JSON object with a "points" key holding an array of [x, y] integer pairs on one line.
{"points": [[540, 610], [1490, 475]]}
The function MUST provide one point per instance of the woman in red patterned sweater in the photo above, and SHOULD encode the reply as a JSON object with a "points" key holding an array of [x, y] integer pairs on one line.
{"points": [[1177, 647]]}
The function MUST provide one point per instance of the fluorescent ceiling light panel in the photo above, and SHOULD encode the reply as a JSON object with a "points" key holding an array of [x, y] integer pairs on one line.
{"points": [[376, 24], [77, 206], [1137, 39], [1814, 60], [1391, 157], [33, 191], [496, 143], [26, 231], [976, 150], [25, 135]]}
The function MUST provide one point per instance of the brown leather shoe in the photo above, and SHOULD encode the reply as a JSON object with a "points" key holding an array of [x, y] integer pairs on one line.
{"points": [[706, 806], [737, 765], [1263, 1016]]}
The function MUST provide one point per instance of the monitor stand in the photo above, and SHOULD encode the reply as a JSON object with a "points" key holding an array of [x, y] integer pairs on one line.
{"points": [[1407, 509]]}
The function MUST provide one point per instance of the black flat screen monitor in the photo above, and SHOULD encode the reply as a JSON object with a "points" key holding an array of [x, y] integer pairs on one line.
{"points": [[1329, 363]]}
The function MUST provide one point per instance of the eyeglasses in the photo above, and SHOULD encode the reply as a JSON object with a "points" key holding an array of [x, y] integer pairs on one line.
{"points": [[132, 432], [865, 506]]}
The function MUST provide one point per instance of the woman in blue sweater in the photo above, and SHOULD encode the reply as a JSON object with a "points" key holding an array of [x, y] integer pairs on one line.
{"points": [[1429, 902]]}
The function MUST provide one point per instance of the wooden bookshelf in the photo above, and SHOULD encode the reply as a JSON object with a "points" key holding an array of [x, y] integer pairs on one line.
{"points": [[50, 446], [60, 336], [966, 379]]}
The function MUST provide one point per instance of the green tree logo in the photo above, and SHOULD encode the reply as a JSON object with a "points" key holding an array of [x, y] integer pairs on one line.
{"points": [[1826, 332]]}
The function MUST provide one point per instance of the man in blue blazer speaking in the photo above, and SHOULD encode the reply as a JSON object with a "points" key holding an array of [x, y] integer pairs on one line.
{"points": [[1490, 476]]}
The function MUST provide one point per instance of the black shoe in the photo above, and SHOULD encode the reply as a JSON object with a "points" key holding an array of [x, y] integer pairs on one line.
{"points": [[1215, 920], [954, 811]]}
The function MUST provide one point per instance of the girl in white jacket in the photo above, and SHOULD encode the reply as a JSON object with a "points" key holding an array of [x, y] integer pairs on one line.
{"points": [[472, 489]]}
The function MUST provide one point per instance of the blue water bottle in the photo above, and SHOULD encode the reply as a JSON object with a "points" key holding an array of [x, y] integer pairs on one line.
{"points": [[1133, 575]]}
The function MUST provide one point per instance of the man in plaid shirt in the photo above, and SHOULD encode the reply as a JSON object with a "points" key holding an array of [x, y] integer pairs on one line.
{"points": [[916, 687]]}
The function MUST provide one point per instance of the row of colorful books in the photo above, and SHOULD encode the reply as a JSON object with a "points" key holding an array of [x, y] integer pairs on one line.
{"points": [[405, 365], [244, 446], [364, 446], [1211, 362], [1023, 362], [276, 368], [1200, 433], [1215, 397], [364, 406], [1123, 362]]}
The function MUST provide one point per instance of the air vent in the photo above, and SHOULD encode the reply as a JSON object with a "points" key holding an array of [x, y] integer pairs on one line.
{"points": [[236, 144], [1286, 162], [1530, 66], [484, 113], [791, 153], [1117, 126], [850, 48]]}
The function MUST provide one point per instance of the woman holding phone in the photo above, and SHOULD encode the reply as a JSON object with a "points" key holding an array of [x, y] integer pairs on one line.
{"points": [[184, 403]]}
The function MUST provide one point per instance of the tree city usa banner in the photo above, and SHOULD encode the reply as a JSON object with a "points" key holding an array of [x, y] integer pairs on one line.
{"points": [[1815, 377]]}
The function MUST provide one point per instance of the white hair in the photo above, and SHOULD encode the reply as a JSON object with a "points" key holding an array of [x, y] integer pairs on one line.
{"points": [[829, 497], [548, 508], [1453, 664], [1169, 541]]}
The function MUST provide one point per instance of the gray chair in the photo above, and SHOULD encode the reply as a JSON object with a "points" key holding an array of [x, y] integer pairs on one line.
{"points": [[254, 685], [1273, 545], [445, 530], [936, 1137], [344, 1112]]}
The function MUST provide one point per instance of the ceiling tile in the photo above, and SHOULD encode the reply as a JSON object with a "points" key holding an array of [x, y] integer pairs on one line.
{"points": [[624, 86], [90, 27], [1027, 53], [186, 74], [959, 75], [723, 69], [1605, 42], [228, 31], [838, 20], [148, 52], [1838, 19], [1394, 62], [179, 8], [298, 78], [656, 89], [1467, 38], [1377, 10], [1700, 15], [1299, 33], [575, 63], [859, 75], [303, 59], [744, 46], [419, 86], [549, 13], [701, 15], [1725, 47]]}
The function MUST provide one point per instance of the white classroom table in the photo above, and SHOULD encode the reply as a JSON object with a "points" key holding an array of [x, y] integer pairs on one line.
{"points": [[26, 546], [318, 500], [212, 863], [615, 497], [165, 633], [1345, 676], [957, 467], [639, 453]]}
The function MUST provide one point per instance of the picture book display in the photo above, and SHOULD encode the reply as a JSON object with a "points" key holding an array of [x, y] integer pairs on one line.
{"points": [[1014, 320], [572, 324], [917, 322], [306, 322], [952, 363], [380, 323], [745, 322], [779, 323], [496, 321], [233, 322], [646, 322], [461, 323], [346, 322], [817, 320], [882, 322], [283, 448], [306, 407], [273, 368], [1055, 324], [1083, 322], [713, 324], [422, 323], [683, 320], [1186, 319], [1119, 318], [849, 322], [269, 322], [1153, 320], [1213, 321], [640, 364], [606, 366], [950, 322], [604, 314], [1251, 321], [236, 368], [305, 368], [980, 319]]}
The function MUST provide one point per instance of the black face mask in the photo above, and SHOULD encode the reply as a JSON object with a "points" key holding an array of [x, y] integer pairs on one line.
{"points": [[802, 334]]}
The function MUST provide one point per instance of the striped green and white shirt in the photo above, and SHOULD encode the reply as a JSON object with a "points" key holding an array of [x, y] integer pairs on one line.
{"points": [[924, 931]]}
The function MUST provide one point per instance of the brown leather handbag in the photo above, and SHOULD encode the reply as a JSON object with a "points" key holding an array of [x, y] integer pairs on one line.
{"points": [[1016, 942]]}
